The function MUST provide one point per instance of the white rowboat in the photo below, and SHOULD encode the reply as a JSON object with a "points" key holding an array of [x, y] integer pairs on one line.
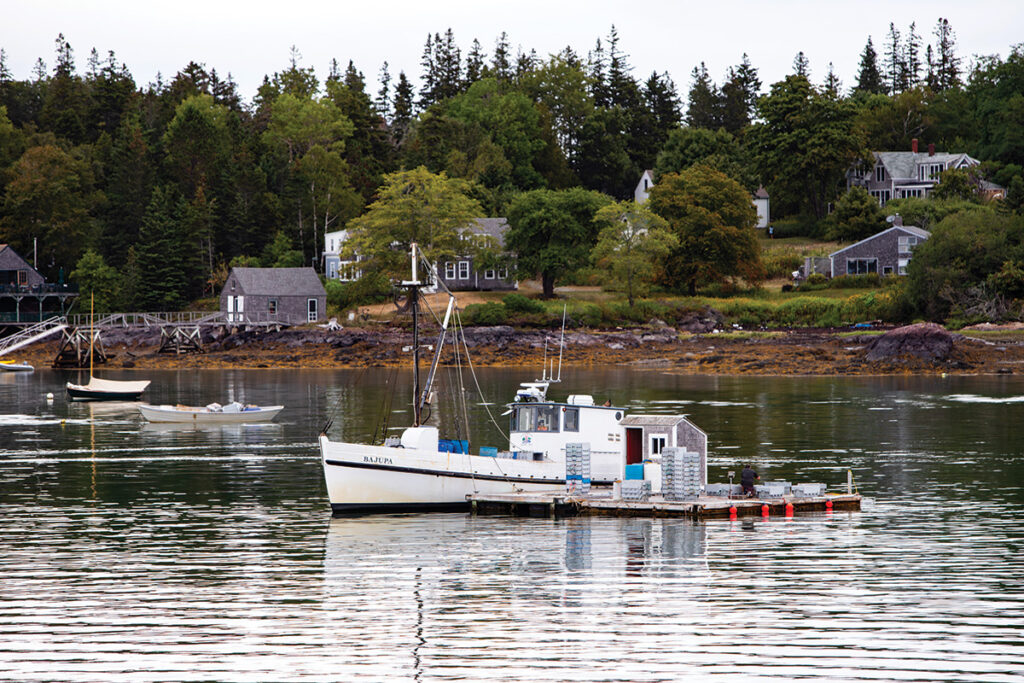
{"points": [[208, 415]]}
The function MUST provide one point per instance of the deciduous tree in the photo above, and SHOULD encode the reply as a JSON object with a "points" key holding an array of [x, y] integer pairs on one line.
{"points": [[631, 246]]}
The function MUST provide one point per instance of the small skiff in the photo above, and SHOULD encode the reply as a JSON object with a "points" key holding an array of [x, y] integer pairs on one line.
{"points": [[107, 390], [15, 366], [213, 413]]}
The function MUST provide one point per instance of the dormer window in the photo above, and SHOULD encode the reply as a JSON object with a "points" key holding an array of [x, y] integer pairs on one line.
{"points": [[879, 173]]}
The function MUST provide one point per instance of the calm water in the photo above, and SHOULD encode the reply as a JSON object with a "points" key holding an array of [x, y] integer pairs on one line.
{"points": [[130, 552]]}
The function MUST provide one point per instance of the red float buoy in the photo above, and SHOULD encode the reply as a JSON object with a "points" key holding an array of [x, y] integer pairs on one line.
{"points": [[828, 504], [789, 509], [732, 512], [764, 510]]}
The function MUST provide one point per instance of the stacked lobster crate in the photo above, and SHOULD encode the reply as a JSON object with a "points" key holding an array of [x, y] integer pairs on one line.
{"points": [[577, 469], [680, 472]]}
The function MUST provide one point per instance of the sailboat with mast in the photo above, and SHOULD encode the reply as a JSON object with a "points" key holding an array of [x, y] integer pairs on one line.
{"points": [[104, 389], [421, 471]]}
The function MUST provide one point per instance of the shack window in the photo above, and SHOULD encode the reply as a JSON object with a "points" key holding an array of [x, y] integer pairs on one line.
{"points": [[272, 306], [571, 421], [658, 442]]}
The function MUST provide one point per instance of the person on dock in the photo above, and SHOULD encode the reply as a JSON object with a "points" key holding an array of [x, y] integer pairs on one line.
{"points": [[747, 478]]}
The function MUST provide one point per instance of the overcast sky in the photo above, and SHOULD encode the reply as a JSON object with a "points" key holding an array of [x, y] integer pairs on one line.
{"points": [[253, 38]]}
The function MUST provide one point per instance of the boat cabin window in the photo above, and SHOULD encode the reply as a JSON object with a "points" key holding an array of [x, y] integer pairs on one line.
{"points": [[535, 419], [571, 420]]}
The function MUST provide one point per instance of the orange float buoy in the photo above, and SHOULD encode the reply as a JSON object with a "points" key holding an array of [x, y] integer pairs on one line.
{"points": [[764, 510], [789, 509], [732, 512]]}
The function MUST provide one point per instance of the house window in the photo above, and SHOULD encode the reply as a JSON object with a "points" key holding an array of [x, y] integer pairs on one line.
{"points": [[313, 315], [489, 274], [349, 271], [272, 306], [886, 270], [463, 270], [571, 420], [911, 192], [907, 244], [658, 443], [502, 273], [449, 270], [883, 196], [879, 173], [332, 245], [23, 277], [332, 270], [861, 266], [645, 184]]}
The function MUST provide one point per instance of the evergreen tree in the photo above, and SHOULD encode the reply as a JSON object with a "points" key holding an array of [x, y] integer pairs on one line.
{"points": [[931, 78], [66, 105], [402, 108], [622, 87], [447, 66], [869, 78], [832, 83], [129, 183], [383, 101], [947, 67], [895, 65], [703, 110], [597, 66], [163, 281], [501, 64], [662, 101], [475, 64], [913, 54], [428, 91], [801, 65]]}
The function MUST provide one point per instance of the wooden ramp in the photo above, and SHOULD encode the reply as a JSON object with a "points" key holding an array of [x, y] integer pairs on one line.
{"points": [[600, 502], [30, 335]]}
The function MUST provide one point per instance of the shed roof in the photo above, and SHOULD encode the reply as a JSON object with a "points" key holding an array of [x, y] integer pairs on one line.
{"points": [[910, 229], [279, 281], [652, 420]]}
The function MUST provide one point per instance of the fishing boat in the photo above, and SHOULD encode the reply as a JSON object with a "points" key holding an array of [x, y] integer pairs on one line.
{"points": [[15, 366], [214, 413], [104, 389], [419, 470]]}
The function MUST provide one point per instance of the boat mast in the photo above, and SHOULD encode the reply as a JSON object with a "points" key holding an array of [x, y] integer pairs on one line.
{"points": [[91, 334], [414, 290]]}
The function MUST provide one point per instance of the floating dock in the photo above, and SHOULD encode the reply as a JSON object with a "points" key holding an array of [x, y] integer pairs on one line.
{"points": [[599, 503]]}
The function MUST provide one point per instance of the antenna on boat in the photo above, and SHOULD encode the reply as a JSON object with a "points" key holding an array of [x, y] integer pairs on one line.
{"points": [[414, 288], [544, 364], [561, 345]]}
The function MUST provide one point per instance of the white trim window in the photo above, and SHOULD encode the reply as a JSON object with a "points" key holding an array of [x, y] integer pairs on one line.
{"points": [[502, 273], [906, 244], [463, 270], [449, 270], [879, 173], [489, 274], [658, 443]]}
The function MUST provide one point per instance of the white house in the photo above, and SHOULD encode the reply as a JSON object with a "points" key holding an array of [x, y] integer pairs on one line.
{"points": [[643, 187], [334, 267]]}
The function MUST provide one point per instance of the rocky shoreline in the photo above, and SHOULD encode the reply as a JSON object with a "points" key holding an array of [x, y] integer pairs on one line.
{"points": [[915, 349]]}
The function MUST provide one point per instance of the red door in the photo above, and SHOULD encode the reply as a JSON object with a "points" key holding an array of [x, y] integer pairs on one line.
{"points": [[634, 445]]}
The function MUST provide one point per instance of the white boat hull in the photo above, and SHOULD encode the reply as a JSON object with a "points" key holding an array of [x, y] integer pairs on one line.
{"points": [[203, 416], [363, 478]]}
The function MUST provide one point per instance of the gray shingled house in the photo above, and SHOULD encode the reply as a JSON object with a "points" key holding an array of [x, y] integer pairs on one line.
{"points": [[896, 175], [462, 274], [886, 253], [289, 295]]}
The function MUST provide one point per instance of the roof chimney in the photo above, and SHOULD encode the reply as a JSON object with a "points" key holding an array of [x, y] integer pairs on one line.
{"points": [[931, 149], [913, 145]]}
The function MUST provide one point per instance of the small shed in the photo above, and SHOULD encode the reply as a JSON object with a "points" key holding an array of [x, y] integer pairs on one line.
{"points": [[15, 272], [647, 435], [289, 295], [885, 253]]}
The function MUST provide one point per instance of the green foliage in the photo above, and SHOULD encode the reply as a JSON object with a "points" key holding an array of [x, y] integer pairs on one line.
{"points": [[280, 254], [716, 149], [414, 206], [963, 252], [712, 217], [94, 277], [927, 213], [957, 183], [517, 303], [857, 215], [490, 313], [802, 225], [631, 246], [163, 280], [371, 288], [867, 281], [247, 261], [805, 145], [553, 232]]}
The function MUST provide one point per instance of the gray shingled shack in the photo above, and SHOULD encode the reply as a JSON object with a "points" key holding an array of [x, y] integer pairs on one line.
{"points": [[647, 435], [288, 295], [885, 253]]}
